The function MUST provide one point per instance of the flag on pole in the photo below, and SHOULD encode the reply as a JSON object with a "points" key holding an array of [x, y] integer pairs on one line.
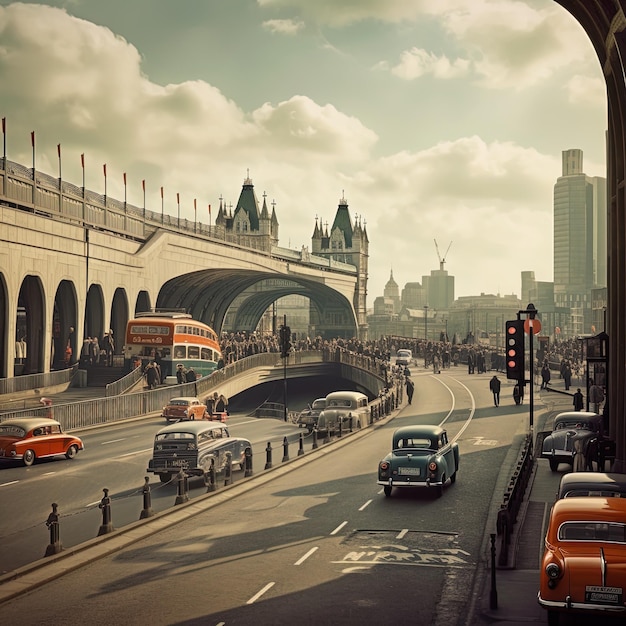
{"points": [[82, 160], [143, 184], [209, 210], [161, 193], [32, 138], [4, 125], [178, 198], [59, 150], [124, 178], [104, 167]]}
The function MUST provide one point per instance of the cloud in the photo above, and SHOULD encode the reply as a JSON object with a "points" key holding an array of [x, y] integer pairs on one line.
{"points": [[284, 27], [416, 63], [587, 91]]}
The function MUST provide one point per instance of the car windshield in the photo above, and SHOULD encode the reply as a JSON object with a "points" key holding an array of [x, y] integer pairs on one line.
{"points": [[319, 405], [414, 442], [575, 425], [11, 431], [592, 531], [179, 403], [179, 436], [584, 492]]}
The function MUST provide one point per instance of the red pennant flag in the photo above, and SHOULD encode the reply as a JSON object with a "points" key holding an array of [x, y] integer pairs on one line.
{"points": [[104, 167], [32, 138], [143, 184], [161, 192], [4, 125], [59, 150], [124, 179], [82, 160], [177, 199]]}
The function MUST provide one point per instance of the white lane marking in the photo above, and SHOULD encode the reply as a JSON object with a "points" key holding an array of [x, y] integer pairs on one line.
{"points": [[13, 482], [121, 456], [106, 443], [255, 597], [338, 528], [302, 559], [472, 411], [87, 506], [401, 534], [365, 505], [48, 473]]}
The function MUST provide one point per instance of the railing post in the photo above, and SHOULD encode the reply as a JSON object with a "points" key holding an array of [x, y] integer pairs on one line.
{"points": [[182, 491], [228, 469], [340, 433], [301, 444], [314, 433], [105, 505], [285, 449], [54, 547], [268, 455], [147, 501], [248, 455]]}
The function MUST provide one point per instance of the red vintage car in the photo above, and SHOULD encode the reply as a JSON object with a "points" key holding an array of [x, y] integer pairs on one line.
{"points": [[184, 408], [29, 438], [584, 562]]}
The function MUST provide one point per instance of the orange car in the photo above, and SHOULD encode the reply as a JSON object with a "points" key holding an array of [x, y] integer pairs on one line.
{"points": [[184, 408], [29, 438], [584, 562]]}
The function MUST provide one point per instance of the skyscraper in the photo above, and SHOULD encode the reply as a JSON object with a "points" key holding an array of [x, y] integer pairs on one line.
{"points": [[579, 240]]}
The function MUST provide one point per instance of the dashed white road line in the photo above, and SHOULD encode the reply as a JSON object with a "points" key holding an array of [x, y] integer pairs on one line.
{"points": [[302, 559], [338, 528], [255, 597]]}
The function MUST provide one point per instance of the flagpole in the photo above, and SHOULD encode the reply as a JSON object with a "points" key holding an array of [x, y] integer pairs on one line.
{"points": [[104, 167], [59, 153], [162, 208], [4, 141], [178, 202], [82, 163], [195, 216], [124, 192], [32, 141], [143, 184]]}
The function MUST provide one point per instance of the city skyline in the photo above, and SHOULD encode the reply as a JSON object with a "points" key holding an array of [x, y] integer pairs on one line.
{"points": [[431, 126]]}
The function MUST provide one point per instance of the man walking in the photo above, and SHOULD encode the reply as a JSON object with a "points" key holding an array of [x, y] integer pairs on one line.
{"points": [[494, 385], [578, 400], [410, 388]]}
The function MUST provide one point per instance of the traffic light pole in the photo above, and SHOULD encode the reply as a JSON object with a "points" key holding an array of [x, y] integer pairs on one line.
{"points": [[285, 371], [531, 313]]}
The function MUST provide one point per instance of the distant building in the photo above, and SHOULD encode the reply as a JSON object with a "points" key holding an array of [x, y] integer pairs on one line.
{"points": [[392, 293], [414, 296]]}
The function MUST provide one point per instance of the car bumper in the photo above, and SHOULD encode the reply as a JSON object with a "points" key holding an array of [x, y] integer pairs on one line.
{"points": [[569, 605], [410, 483]]}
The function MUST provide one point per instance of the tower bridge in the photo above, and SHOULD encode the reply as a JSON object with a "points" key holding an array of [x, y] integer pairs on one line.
{"points": [[74, 264]]}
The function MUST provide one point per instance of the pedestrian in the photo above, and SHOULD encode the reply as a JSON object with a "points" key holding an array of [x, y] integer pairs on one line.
{"points": [[210, 404], [494, 385], [94, 354], [190, 376], [410, 388], [109, 348], [517, 394], [596, 397], [152, 376], [180, 374], [578, 400], [545, 374], [567, 375]]}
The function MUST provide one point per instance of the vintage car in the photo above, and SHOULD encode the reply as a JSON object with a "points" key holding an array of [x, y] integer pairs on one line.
{"points": [[191, 445], [29, 438], [404, 357], [184, 408], [584, 562], [571, 435], [308, 417], [576, 484], [421, 456], [345, 408]]}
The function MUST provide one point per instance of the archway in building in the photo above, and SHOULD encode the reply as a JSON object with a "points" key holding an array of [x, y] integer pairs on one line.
{"points": [[119, 317], [64, 318], [30, 324], [94, 312], [5, 352], [143, 302]]}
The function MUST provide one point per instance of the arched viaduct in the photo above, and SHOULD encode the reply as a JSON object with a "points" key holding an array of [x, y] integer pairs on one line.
{"points": [[60, 282]]}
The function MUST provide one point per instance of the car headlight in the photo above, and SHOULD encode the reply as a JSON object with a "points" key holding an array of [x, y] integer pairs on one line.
{"points": [[384, 466], [432, 466]]}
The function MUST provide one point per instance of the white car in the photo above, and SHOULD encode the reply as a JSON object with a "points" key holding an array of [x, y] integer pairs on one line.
{"points": [[404, 357]]}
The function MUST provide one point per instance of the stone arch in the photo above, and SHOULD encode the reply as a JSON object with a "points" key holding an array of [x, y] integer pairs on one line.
{"points": [[30, 320], [94, 312], [64, 316], [119, 317], [5, 353], [143, 302]]}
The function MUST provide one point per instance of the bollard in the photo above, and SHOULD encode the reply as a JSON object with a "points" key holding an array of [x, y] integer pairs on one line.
{"points": [[105, 505], [248, 454], [228, 469], [340, 433], [147, 501], [314, 433], [54, 547], [493, 595], [182, 491], [350, 425], [209, 477], [285, 449], [301, 444], [268, 455]]}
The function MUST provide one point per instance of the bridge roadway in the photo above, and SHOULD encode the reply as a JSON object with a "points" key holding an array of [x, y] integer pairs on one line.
{"points": [[117, 578]]}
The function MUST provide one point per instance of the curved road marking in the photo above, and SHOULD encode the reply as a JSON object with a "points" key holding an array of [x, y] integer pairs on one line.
{"points": [[472, 411]]}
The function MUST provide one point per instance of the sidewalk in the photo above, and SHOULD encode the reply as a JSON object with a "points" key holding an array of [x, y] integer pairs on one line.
{"points": [[516, 587]]}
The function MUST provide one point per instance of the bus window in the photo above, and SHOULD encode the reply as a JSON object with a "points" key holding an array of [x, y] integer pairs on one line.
{"points": [[193, 352], [205, 354], [179, 352]]}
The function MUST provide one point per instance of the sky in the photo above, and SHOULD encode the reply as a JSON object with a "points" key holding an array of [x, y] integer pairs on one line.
{"points": [[441, 122]]}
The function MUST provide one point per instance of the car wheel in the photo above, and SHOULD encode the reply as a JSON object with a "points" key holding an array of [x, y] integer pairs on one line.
{"points": [[72, 451], [387, 490], [28, 458], [553, 618], [554, 466], [164, 478]]}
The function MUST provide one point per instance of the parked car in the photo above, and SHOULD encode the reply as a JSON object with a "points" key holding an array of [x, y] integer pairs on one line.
{"points": [[584, 563], [341, 407], [191, 445], [184, 408], [404, 357], [308, 417], [571, 435], [29, 438], [421, 456], [577, 484]]}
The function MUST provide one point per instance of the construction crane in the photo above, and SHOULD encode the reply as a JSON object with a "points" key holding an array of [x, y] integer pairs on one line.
{"points": [[441, 260]]}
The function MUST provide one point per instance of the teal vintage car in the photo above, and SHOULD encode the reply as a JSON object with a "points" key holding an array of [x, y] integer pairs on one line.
{"points": [[421, 456]]}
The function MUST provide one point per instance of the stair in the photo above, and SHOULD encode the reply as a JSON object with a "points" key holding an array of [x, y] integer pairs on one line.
{"points": [[101, 376]]}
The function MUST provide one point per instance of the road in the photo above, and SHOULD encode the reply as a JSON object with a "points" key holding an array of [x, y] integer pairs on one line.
{"points": [[316, 544]]}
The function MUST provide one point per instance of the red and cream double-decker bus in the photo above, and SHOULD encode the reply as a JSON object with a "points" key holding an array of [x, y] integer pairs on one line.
{"points": [[171, 338]]}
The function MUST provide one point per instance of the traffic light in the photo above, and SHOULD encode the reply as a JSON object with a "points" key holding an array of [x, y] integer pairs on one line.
{"points": [[515, 349], [285, 341]]}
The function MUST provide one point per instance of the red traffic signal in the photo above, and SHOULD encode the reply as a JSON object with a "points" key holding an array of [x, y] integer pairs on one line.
{"points": [[515, 349]]}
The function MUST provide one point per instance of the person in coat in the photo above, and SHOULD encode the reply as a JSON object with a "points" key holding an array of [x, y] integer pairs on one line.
{"points": [[494, 386], [410, 388], [578, 400]]}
